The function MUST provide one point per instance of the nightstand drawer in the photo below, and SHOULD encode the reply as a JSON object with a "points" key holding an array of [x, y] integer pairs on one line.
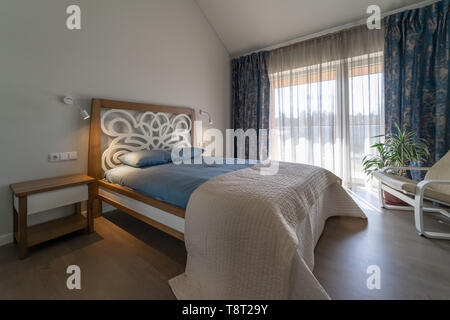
{"points": [[54, 199]]}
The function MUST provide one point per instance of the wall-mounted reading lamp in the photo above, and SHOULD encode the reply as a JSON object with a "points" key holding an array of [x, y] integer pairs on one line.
{"points": [[70, 102], [202, 112]]}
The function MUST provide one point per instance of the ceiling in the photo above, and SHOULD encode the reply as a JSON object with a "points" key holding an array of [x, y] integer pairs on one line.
{"points": [[247, 25]]}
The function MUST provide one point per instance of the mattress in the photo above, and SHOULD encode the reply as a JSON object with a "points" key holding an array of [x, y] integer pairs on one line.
{"points": [[169, 182]]}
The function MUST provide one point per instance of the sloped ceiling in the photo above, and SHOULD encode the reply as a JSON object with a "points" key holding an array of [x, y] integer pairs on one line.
{"points": [[246, 25]]}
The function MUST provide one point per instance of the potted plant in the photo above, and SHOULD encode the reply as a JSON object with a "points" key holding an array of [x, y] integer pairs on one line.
{"points": [[399, 149]]}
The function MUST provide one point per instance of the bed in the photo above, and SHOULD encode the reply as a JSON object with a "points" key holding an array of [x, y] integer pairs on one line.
{"points": [[118, 127], [169, 182], [248, 235]]}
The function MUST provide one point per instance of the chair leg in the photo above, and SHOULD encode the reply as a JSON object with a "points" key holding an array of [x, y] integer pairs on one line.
{"points": [[400, 208], [381, 195], [437, 235], [418, 217], [383, 204]]}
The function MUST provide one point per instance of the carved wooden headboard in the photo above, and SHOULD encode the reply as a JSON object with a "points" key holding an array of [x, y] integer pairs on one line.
{"points": [[118, 127]]}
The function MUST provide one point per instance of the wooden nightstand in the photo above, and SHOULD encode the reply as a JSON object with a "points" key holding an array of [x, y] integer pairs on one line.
{"points": [[42, 195]]}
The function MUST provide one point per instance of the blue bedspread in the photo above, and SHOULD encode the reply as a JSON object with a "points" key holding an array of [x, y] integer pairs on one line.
{"points": [[169, 182]]}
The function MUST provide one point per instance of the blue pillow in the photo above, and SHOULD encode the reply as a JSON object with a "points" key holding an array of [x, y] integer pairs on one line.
{"points": [[187, 154], [145, 158]]}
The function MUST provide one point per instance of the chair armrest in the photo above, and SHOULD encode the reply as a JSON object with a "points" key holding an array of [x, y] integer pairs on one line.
{"points": [[424, 183], [385, 169], [420, 189]]}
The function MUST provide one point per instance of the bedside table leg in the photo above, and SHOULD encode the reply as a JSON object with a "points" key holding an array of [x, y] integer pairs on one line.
{"points": [[15, 227], [78, 208], [22, 227], [90, 209]]}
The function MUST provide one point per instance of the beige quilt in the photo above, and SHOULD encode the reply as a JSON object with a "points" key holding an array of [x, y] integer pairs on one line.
{"points": [[250, 236]]}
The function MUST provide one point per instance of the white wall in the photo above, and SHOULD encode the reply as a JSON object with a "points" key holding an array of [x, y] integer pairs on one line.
{"points": [[156, 51]]}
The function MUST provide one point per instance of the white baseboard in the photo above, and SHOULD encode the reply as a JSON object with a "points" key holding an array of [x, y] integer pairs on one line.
{"points": [[6, 238]]}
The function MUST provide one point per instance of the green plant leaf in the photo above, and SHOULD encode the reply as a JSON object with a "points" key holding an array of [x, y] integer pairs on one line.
{"points": [[400, 148]]}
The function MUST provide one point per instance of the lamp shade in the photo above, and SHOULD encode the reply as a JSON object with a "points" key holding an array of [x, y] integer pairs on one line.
{"points": [[84, 114]]}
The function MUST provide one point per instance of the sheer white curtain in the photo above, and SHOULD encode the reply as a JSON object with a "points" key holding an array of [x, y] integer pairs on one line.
{"points": [[327, 101]]}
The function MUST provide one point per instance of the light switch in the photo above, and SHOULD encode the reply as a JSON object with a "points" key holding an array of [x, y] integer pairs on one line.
{"points": [[73, 155], [64, 156]]}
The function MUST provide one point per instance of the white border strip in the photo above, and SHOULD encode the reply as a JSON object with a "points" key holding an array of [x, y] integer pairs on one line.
{"points": [[167, 219]]}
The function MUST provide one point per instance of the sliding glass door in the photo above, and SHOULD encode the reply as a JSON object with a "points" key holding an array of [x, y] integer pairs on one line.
{"points": [[326, 114]]}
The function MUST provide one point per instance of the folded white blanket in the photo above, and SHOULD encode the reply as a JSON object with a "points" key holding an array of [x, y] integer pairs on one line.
{"points": [[250, 236]]}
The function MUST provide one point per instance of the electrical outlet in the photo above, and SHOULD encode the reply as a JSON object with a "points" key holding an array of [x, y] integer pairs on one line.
{"points": [[64, 156], [73, 155], [53, 157]]}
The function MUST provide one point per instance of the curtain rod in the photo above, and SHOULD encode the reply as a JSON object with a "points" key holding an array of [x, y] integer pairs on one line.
{"points": [[337, 29]]}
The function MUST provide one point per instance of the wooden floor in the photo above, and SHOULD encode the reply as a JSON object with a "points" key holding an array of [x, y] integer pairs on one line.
{"points": [[412, 267], [126, 259]]}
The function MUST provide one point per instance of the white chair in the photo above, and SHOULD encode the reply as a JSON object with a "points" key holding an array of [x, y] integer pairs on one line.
{"points": [[435, 187]]}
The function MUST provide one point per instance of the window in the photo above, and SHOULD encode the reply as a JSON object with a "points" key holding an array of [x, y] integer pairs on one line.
{"points": [[327, 114]]}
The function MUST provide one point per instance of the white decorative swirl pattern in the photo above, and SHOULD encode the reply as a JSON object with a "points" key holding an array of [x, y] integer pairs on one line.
{"points": [[128, 131]]}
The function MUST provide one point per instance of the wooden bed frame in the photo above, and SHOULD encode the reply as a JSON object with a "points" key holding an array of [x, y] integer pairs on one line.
{"points": [[95, 166]]}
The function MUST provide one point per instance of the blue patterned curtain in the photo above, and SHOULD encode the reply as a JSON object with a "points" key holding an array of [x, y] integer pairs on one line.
{"points": [[250, 95], [417, 60]]}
